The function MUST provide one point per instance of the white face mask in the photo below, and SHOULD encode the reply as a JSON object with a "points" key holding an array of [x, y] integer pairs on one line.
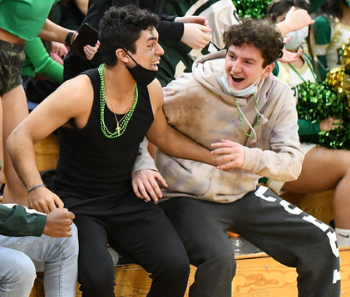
{"points": [[297, 38], [250, 90]]}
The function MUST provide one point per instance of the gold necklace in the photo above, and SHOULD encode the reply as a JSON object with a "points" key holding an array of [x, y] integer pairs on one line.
{"points": [[117, 128]]}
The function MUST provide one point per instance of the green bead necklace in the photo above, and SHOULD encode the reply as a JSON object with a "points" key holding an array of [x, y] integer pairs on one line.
{"points": [[251, 134], [123, 123]]}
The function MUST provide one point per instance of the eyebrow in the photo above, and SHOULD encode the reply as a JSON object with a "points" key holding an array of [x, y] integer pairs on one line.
{"points": [[244, 58], [153, 36]]}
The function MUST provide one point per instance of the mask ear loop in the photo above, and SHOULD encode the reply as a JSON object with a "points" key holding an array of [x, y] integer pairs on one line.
{"points": [[130, 56], [262, 117]]}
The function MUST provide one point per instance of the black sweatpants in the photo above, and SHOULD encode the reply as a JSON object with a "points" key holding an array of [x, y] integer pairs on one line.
{"points": [[289, 235]]}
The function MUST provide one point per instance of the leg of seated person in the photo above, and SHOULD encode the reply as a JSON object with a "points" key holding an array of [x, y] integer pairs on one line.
{"points": [[57, 256], [326, 169], [292, 237], [95, 264], [202, 227], [17, 273], [144, 235]]}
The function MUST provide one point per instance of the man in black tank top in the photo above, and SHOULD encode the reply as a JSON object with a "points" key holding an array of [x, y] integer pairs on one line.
{"points": [[103, 115]]}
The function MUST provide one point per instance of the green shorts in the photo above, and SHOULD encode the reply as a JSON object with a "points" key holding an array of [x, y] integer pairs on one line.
{"points": [[11, 60]]}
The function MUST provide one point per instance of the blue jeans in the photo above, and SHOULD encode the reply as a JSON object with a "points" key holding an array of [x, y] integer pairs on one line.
{"points": [[21, 257]]}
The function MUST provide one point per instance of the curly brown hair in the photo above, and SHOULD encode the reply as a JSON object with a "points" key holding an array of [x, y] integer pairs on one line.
{"points": [[260, 33]]}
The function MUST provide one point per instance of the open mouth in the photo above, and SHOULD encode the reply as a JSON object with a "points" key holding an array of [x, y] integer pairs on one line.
{"points": [[237, 79], [155, 65]]}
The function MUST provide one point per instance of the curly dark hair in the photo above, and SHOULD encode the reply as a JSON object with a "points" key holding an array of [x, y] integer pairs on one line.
{"points": [[121, 27], [260, 33]]}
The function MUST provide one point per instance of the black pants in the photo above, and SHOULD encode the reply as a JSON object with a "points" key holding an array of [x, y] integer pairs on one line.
{"points": [[143, 234], [289, 235]]}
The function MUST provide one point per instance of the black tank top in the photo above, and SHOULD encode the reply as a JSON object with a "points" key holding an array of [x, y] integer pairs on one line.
{"points": [[91, 165]]}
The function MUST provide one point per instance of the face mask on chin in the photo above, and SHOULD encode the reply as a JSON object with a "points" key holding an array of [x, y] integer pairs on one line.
{"points": [[297, 38], [141, 75], [250, 90]]}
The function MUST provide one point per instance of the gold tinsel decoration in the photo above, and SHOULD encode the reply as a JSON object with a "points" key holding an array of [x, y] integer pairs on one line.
{"points": [[339, 78]]}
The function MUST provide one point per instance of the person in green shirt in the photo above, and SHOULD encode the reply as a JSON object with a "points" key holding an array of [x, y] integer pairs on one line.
{"points": [[31, 241], [332, 31], [21, 21], [323, 169]]}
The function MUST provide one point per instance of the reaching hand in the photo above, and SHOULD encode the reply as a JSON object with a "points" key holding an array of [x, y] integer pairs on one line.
{"points": [[289, 57], [298, 18], [58, 223], [145, 183], [231, 154], [196, 36], [193, 19]]}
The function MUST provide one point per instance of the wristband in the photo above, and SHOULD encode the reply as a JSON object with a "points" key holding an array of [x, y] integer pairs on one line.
{"points": [[68, 39], [37, 186]]}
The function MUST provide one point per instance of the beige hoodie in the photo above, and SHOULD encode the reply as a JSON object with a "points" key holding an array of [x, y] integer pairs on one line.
{"points": [[198, 105]]}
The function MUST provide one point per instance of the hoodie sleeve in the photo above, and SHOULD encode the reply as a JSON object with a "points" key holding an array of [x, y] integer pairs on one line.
{"points": [[144, 160], [282, 161], [16, 220]]}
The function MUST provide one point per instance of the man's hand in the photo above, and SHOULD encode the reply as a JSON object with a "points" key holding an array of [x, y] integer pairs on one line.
{"points": [[146, 183], [58, 223], [42, 199], [193, 19], [196, 36], [231, 154]]}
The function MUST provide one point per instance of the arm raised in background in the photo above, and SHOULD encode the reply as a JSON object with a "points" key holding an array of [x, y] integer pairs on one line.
{"points": [[54, 32]]}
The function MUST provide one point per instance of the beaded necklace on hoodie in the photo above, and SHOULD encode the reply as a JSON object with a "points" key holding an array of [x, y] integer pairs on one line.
{"points": [[123, 123], [251, 134]]}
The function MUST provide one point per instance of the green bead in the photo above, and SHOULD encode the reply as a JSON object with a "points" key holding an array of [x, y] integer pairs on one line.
{"points": [[124, 123]]}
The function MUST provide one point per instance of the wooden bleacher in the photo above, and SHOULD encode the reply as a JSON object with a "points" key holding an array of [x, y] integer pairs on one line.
{"points": [[258, 275]]}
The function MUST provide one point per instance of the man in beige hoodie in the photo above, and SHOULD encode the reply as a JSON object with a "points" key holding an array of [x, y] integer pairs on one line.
{"points": [[232, 104]]}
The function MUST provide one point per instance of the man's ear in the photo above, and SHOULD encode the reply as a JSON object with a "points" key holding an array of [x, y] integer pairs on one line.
{"points": [[268, 70], [122, 55]]}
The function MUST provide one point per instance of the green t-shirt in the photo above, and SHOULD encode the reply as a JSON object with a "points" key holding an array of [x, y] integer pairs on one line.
{"points": [[24, 18]]}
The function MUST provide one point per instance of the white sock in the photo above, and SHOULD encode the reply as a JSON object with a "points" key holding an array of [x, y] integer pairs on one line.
{"points": [[343, 237]]}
